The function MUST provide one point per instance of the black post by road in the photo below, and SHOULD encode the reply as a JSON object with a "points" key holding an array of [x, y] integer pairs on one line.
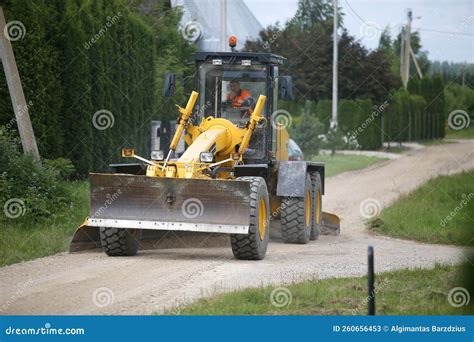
{"points": [[371, 278]]}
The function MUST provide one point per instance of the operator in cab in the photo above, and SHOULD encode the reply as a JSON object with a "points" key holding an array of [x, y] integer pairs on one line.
{"points": [[239, 98]]}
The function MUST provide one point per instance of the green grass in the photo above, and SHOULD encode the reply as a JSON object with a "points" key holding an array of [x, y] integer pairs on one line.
{"points": [[467, 133], [22, 239], [341, 163], [406, 292], [422, 214]]}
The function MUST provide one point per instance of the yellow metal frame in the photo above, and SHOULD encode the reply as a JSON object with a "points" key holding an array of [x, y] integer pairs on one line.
{"points": [[226, 140]]}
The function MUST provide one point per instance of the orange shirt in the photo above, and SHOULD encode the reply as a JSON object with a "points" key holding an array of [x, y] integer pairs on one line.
{"points": [[238, 99]]}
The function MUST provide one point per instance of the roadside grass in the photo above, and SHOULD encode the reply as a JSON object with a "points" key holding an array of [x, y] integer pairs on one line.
{"points": [[339, 163], [405, 292], [467, 133], [441, 211], [22, 239]]}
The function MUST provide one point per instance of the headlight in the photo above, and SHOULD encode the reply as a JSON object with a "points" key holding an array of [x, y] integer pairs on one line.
{"points": [[206, 157], [128, 152], [157, 155]]}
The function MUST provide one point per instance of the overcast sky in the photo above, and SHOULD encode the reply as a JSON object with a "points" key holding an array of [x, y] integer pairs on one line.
{"points": [[442, 15]]}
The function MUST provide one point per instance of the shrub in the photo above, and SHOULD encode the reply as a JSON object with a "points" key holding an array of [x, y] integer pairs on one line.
{"points": [[34, 185], [307, 133], [64, 166]]}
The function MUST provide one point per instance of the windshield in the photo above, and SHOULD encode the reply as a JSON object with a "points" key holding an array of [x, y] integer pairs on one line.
{"points": [[231, 92]]}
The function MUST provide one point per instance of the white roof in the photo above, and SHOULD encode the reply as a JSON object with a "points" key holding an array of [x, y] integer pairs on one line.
{"points": [[201, 23]]}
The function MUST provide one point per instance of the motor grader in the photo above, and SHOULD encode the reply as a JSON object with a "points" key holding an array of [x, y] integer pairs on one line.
{"points": [[233, 176]]}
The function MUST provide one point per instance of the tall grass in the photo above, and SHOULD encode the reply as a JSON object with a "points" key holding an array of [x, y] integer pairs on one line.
{"points": [[405, 292], [25, 238], [441, 211]]}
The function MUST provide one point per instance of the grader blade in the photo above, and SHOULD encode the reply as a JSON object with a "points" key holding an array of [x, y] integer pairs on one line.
{"points": [[330, 224], [85, 238], [152, 203]]}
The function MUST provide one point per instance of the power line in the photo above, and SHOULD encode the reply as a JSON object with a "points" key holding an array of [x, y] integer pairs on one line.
{"points": [[420, 29], [446, 32], [355, 13]]}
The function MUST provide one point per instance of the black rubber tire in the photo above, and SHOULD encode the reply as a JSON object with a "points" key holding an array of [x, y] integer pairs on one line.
{"points": [[120, 242], [250, 246], [315, 186], [293, 217]]}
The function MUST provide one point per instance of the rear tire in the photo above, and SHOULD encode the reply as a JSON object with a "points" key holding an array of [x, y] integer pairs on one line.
{"points": [[253, 246], [120, 242], [295, 216], [317, 214]]}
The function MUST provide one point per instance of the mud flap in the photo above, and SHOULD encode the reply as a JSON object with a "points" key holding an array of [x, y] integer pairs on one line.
{"points": [[330, 224]]}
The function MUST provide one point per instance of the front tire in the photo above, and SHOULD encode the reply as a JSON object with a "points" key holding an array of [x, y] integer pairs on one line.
{"points": [[295, 216], [120, 242], [253, 246]]}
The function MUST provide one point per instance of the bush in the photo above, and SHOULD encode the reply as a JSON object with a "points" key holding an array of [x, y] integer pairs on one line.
{"points": [[33, 187], [459, 97], [64, 166], [356, 118], [334, 140], [307, 133]]}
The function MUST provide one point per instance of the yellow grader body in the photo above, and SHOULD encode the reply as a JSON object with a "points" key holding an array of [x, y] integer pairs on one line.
{"points": [[213, 186]]}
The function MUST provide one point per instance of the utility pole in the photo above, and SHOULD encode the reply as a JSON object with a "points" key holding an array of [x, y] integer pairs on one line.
{"points": [[417, 66], [402, 48], [17, 96], [406, 50], [224, 25], [334, 68]]}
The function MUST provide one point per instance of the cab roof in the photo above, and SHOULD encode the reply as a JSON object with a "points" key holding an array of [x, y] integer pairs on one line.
{"points": [[262, 57]]}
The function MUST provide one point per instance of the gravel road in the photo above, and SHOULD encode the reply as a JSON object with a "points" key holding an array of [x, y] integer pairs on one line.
{"points": [[154, 280]]}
